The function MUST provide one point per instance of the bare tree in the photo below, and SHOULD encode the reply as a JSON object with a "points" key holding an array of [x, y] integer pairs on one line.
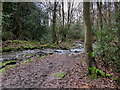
{"points": [[54, 36], [109, 15], [63, 29], [99, 7], [69, 16]]}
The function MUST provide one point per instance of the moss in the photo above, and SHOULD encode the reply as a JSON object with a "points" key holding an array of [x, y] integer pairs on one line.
{"points": [[48, 45], [92, 54], [54, 46], [11, 66], [0, 49], [4, 69], [27, 61], [28, 54], [41, 57], [24, 45], [6, 49], [94, 73], [58, 51], [14, 48], [19, 41], [6, 63], [58, 75], [108, 75]]}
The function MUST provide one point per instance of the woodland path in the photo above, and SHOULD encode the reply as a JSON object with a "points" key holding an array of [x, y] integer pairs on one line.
{"points": [[37, 74]]}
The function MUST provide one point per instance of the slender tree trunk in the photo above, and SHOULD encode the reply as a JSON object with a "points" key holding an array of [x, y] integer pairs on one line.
{"points": [[63, 30], [93, 14], [1, 8], [109, 16], [88, 35], [54, 36], [105, 14], [68, 18], [99, 6]]}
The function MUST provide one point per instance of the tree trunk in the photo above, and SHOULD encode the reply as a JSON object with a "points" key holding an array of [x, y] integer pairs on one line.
{"points": [[1, 8], [93, 14], [68, 18], [16, 30], [63, 30], [88, 35], [109, 16], [99, 6], [54, 36]]}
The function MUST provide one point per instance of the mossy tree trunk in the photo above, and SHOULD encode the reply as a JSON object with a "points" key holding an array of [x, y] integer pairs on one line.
{"points": [[90, 60]]}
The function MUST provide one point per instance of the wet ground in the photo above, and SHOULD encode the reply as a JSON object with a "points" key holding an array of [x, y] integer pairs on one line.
{"points": [[38, 74]]}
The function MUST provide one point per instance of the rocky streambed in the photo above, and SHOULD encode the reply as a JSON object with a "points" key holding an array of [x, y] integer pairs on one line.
{"points": [[15, 57]]}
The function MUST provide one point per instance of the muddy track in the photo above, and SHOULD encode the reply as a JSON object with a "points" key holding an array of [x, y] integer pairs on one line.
{"points": [[37, 74]]}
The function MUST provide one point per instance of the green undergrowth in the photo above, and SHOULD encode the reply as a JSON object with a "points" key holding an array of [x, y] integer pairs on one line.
{"points": [[95, 73]]}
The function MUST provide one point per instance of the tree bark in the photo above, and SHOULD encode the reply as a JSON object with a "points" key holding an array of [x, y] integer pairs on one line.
{"points": [[54, 36], [1, 8], [63, 30], [99, 6], [109, 15], [93, 14], [17, 28], [68, 18], [88, 35], [1, 26]]}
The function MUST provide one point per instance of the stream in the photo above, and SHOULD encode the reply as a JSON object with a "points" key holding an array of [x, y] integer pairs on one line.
{"points": [[36, 53]]}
